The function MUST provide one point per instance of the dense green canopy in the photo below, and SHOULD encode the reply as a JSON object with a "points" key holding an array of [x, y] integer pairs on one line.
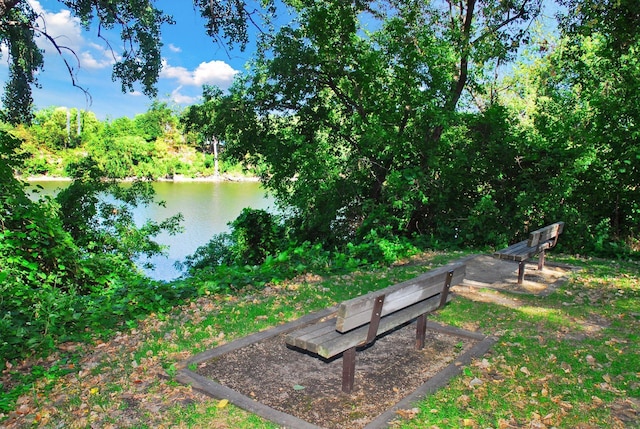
{"points": [[357, 112]]}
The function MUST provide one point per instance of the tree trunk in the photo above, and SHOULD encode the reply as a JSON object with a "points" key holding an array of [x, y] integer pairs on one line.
{"points": [[216, 172]]}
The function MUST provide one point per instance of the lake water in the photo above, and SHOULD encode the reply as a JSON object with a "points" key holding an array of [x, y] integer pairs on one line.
{"points": [[207, 208]]}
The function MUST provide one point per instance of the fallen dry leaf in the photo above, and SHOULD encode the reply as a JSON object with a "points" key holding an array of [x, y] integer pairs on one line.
{"points": [[475, 382], [463, 400], [468, 423], [548, 419], [408, 414]]}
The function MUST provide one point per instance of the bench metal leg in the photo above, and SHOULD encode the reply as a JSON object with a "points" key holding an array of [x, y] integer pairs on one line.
{"points": [[348, 369], [541, 260], [445, 289], [421, 330], [520, 272]]}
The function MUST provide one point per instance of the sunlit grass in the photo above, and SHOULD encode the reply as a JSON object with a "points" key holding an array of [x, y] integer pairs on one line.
{"points": [[563, 360], [550, 315]]}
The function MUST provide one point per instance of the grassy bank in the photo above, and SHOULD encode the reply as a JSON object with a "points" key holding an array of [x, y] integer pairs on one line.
{"points": [[566, 360]]}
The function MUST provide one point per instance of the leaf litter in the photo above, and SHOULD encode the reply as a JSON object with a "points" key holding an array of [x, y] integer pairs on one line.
{"points": [[123, 382]]}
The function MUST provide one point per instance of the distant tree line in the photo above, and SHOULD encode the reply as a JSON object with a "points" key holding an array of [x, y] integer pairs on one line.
{"points": [[159, 143]]}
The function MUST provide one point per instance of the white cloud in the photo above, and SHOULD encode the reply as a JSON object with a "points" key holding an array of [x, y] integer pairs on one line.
{"points": [[62, 27], [181, 74], [67, 31], [87, 60], [179, 98], [174, 48], [216, 73]]}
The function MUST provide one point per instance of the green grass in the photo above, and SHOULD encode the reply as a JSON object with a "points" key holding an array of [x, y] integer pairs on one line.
{"points": [[566, 360]]}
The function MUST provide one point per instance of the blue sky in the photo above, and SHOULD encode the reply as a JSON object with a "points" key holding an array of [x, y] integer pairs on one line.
{"points": [[191, 59]]}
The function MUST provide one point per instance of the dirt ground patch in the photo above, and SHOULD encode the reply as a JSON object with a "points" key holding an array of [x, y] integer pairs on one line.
{"points": [[484, 271], [309, 388], [265, 372]]}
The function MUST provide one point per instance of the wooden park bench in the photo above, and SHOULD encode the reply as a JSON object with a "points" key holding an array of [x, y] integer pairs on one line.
{"points": [[359, 321], [539, 241]]}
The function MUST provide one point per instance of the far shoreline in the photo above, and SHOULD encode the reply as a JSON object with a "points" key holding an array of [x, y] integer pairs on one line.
{"points": [[178, 178]]}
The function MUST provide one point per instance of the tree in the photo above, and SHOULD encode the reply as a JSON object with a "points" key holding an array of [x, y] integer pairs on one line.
{"points": [[349, 121], [201, 120], [156, 122], [107, 226], [617, 20], [137, 62], [119, 127], [590, 100], [16, 30]]}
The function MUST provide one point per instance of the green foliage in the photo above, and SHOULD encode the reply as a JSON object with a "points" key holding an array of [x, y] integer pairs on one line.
{"points": [[156, 122], [257, 251], [377, 249], [581, 100], [231, 20], [105, 225], [24, 58], [149, 146], [140, 24], [139, 21], [119, 127], [255, 235], [200, 119], [285, 264], [123, 157], [377, 140], [346, 122], [67, 266], [41, 266], [52, 128]]}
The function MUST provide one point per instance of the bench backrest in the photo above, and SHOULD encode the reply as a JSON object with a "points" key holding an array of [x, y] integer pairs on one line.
{"points": [[357, 311], [547, 233]]}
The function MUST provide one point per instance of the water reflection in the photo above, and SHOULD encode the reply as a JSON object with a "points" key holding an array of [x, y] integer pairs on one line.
{"points": [[207, 208]]}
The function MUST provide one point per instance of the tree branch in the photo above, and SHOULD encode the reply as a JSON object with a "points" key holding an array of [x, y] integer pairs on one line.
{"points": [[330, 82], [492, 30], [60, 49], [465, 50]]}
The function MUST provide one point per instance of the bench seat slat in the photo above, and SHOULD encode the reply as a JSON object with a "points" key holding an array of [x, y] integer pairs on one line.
{"points": [[307, 337], [547, 233], [329, 343], [517, 252], [539, 240], [357, 311]]}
